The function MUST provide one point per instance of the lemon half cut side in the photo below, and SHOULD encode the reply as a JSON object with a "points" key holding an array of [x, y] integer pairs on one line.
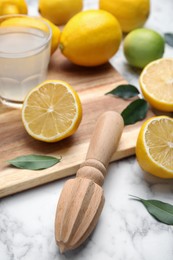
{"points": [[51, 111], [156, 82], [154, 147]]}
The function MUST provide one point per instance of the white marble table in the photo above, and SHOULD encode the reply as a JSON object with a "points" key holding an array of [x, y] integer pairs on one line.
{"points": [[125, 230]]}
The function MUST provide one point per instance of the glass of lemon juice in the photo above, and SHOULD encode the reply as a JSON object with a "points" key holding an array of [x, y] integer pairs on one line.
{"points": [[24, 56]]}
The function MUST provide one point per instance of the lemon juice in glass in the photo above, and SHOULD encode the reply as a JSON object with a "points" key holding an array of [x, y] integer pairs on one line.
{"points": [[24, 56]]}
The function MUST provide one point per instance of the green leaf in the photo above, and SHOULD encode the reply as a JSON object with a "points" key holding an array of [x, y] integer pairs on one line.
{"points": [[161, 211], [169, 38], [34, 162], [124, 91], [135, 111]]}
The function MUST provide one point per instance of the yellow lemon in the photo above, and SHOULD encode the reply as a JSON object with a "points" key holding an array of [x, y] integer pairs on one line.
{"points": [[90, 38], [131, 14], [51, 111], [154, 147], [36, 23], [13, 7], [59, 11], [156, 82]]}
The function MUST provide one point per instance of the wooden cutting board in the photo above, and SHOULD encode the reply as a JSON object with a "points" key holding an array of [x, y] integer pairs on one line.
{"points": [[91, 84]]}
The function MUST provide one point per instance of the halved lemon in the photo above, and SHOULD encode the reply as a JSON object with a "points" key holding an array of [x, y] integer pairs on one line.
{"points": [[51, 111], [154, 148], [156, 82]]}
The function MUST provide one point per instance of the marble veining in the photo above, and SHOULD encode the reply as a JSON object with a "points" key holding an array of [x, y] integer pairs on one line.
{"points": [[125, 230]]}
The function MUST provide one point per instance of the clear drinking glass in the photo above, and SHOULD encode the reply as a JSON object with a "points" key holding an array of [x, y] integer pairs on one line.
{"points": [[24, 56]]}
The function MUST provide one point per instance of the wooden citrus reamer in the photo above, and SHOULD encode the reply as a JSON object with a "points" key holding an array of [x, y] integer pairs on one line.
{"points": [[81, 201]]}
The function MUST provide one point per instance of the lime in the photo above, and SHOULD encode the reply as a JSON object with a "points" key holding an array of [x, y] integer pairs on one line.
{"points": [[142, 46]]}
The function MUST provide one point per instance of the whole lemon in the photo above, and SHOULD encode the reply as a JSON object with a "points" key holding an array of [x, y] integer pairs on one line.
{"points": [[131, 14], [91, 38], [142, 46], [59, 11], [13, 7]]}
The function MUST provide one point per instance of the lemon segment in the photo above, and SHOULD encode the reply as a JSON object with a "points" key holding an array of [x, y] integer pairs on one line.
{"points": [[156, 82], [52, 111], [91, 38], [154, 147]]}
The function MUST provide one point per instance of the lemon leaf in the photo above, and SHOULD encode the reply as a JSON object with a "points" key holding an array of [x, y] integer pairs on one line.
{"points": [[34, 162], [135, 111], [169, 39], [124, 91], [161, 211]]}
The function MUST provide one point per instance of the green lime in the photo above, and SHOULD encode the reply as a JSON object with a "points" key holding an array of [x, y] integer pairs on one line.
{"points": [[142, 46]]}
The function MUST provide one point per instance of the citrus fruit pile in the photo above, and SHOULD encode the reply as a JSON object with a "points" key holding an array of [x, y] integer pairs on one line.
{"points": [[51, 111], [91, 38], [154, 148]]}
